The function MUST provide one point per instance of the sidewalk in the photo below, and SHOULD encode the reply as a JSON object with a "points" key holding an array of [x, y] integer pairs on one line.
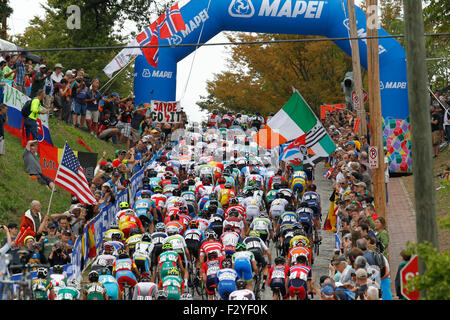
{"points": [[401, 223]]}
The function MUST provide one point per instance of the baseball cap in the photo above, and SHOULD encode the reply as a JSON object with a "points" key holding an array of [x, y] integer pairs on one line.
{"points": [[51, 225], [103, 163], [350, 143], [338, 260], [27, 238], [327, 291], [106, 184], [114, 94], [42, 66], [361, 274]]}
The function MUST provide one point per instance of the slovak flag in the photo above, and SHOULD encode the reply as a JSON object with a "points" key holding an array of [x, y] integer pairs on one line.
{"points": [[170, 22], [149, 37]]}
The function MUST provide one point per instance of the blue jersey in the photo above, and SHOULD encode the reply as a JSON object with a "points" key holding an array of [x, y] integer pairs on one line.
{"points": [[226, 274], [189, 196], [287, 220], [154, 182], [202, 202], [143, 207], [111, 286], [194, 234]]}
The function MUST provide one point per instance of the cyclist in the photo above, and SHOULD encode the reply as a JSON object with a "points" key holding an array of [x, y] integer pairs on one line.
{"points": [[70, 292], [210, 244], [42, 286], [209, 270], [277, 278], [242, 293], [190, 198], [226, 194], [276, 180], [172, 284], [277, 207], [142, 253], [129, 221], [110, 284], [255, 245], [157, 240], [244, 263], [133, 238], [298, 183], [178, 244], [160, 203], [299, 279], [145, 211], [113, 230], [125, 270], [145, 289], [194, 238], [58, 278], [226, 279], [229, 239], [124, 207], [299, 247], [252, 205], [94, 290], [287, 219], [312, 198], [167, 260], [305, 217], [235, 222], [263, 225]]}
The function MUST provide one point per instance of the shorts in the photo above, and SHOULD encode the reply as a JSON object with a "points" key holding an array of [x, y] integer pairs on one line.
{"points": [[80, 109], [436, 137], [105, 134], [226, 287], [126, 130], [2, 145], [125, 277], [157, 250], [92, 114], [259, 257], [42, 179], [278, 285], [135, 136], [142, 265], [244, 269], [298, 286], [193, 247], [173, 293], [211, 284]]}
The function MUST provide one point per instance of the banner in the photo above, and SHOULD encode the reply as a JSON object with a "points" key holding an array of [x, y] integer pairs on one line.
{"points": [[329, 108], [88, 162], [122, 58], [15, 100], [165, 112], [356, 124]]}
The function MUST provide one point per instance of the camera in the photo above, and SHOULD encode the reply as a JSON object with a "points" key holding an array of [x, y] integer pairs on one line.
{"points": [[58, 250]]}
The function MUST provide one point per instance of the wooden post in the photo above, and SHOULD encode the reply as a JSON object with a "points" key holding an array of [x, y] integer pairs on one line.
{"points": [[373, 68], [362, 129], [419, 108]]}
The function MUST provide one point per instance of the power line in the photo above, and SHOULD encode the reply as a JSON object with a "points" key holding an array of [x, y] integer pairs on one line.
{"points": [[226, 43]]}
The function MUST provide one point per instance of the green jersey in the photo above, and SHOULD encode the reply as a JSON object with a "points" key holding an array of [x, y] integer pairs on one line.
{"points": [[167, 260], [41, 288], [95, 291], [262, 225], [271, 195], [173, 286], [68, 293]]}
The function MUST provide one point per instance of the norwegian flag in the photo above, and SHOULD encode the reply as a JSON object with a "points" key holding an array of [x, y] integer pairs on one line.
{"points": [[149, 37], [170, 22]]}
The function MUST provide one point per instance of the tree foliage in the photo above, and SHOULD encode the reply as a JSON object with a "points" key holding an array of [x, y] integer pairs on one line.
{"points": [[261, 77]]}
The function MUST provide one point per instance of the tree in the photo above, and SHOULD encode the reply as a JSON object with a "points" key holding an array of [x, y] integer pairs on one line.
{"points": [[261, 77], [6, 11]]}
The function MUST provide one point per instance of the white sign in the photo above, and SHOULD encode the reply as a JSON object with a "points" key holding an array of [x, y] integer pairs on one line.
{"points": [[166, 112], [373, 157]]}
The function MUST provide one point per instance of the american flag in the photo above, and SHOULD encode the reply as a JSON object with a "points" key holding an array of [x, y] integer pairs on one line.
{"points": [[71, 177]]}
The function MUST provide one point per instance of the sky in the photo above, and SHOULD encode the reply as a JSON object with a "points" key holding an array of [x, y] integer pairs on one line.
{"points": [[208, 60]]}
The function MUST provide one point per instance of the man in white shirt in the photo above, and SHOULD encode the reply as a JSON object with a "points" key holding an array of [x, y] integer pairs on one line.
{"points": [[57, 75]]}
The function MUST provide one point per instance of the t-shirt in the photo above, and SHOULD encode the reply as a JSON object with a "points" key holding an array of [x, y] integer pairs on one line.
{"points": [[37, 84], [136, 119], [32, 163], [7, 70], [436, 116], [93, 105], [2, 124]]}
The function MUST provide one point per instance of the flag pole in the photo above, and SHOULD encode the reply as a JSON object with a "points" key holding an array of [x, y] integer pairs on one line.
{"points": [[54, 185]]}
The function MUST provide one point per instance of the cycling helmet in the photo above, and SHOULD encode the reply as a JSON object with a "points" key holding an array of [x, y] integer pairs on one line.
{"points": [[105, 272], [263, 214], [253, 170], [134, 232], [280, 260], [72, 282], [303, 204], [174, 180], [42, 273], [145, 195], [275, 186], [146, 237], [221, 180], [193, 224], [252, 183], [116, 236], [173, 272], [241, 284], [227, 263], [254, 233], [186, 296], [172, 230], [122, 253], [167, 246], [210, 234], [184, 209], [160, 227], [145, 276], [184, 187], [227, 185], [152, 173], [108, 249], [158, 189], [124, 205], [58, 269], [93, 276], [234, 201], [176, 192], [241, 247], [161, 295], [212, 255], [289, 207]]}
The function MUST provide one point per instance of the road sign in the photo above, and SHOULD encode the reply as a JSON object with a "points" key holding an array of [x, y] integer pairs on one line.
{"points": [[373, 157], [409, 271], [356, 100], [365, 96]]}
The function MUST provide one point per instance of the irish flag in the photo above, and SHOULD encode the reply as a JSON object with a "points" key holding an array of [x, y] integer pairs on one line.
{"points": [[294, 120]]}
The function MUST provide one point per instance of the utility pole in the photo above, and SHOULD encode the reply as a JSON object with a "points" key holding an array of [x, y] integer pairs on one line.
{"points": [[358, 104], [419, 109], [373, 68]]}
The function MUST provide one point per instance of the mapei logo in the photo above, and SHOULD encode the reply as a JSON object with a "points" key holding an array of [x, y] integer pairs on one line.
{"points": [[146, 73], [393, 85], [241, 9], [175, 40]]}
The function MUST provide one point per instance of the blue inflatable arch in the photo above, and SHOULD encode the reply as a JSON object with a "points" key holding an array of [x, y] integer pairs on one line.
{"points": [[324, 18]]}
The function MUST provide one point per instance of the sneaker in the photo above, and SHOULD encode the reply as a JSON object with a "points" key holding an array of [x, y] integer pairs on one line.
{"points": [[92, 133]]}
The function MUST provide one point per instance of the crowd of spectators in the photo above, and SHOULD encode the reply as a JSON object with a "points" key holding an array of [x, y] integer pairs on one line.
{"points": [[440, 120]]}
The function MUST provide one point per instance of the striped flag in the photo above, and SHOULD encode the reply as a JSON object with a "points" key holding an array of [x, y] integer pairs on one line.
{"points": [[71, 177], [294, 120], [170, 22], [328, 174]]}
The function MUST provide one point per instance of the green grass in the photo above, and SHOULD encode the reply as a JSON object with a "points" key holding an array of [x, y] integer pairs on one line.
{"points": [[17, 190]]}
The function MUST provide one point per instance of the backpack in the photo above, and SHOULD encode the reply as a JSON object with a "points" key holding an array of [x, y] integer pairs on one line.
{"points": [[26, 109]]}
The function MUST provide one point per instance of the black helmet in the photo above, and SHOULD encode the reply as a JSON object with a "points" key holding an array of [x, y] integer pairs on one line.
{"points": [[289, 207], [58, 269], [146, 237], [152, 173], [176, 193], [280, 260], [241, 284], [93, 276], [303, 204], [227, 263], [133, 232], [42, 273]]}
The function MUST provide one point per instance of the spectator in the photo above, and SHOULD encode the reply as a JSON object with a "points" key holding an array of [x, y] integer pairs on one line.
{"points": [[382, 234], [59, 255], [447, 124], [57, 75], [405, 259], [49, 240], [67, 239], [34, 248], [3, 121], [93, 97], [33, 218], [9, 73], [435, 130], [39, 81], [64, 93], [125, 123], [137, 117], [33, 166], [107, 128], [80, 107], [30, 123], [18, 62]]}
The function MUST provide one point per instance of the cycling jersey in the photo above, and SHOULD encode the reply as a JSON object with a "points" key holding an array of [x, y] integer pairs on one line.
{"points": [[252, 207], [236, 223], [95, 291], [210, 268], [225, 195], [287, 220], [102, 261], [229, 240], [168, 260], [145, 291], [111, 286], [142, 255], [41, 288], [122, 268], [244, 294], [68, 293], [239, 208], [159, 200], [298, 277], [173, 285], [262, 225], [226, 282], [194, 234], [275, 179], [243, 264], [277, 207], [277, 279], [254, 177], [126, 223], [58, 281], [210, 246], [305, 215], [178, 243], [143, 207], [297, 251]]}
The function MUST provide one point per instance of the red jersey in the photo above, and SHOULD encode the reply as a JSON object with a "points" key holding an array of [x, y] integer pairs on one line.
{"points": [[275, 179], [300, 271], [296, 251], [236, 223], [239, 208], [209, 246], [177, 224], [129, 222], [278, 272], [211, 267], [159, 199], [165, 182]]}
